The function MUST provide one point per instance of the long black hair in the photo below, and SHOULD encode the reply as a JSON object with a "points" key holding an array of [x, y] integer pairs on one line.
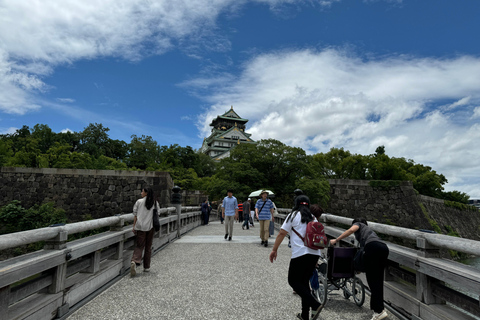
{"points": [[149, 202], [302, 205]]}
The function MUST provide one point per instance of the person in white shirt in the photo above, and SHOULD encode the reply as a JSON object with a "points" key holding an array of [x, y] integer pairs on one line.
{"points": [[303, 259], [143, 228]]}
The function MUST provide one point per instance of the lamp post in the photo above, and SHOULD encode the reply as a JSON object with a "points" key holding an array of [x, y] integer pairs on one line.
{"points": [[177, 203]]}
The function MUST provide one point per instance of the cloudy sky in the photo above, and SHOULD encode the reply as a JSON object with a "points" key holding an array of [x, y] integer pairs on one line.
{"points": [[315, 73]]}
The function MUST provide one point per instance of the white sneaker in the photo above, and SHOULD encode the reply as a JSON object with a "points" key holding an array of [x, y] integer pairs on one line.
{"points": [[146, 269], [133, 269], [381, 315]]}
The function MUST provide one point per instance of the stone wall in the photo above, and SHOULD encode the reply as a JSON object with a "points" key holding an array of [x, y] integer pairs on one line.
{"points": [[400, 206], [82, 193]]}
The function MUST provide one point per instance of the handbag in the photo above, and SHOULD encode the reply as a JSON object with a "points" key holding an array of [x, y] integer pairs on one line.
{"points": [[271, 228], [156, 221]]}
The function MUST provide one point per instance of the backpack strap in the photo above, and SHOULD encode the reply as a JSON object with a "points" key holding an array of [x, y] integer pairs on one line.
{"points": [[298, 234]]}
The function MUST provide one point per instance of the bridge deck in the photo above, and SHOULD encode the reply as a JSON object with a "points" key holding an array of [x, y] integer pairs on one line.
{"points": [[202, 276]]}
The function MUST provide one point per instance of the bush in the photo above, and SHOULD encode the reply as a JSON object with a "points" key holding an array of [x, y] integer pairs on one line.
{"points": [[10, 216], [15, 218]]}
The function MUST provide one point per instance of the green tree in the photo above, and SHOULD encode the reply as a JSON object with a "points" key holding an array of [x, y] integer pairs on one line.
{"points": [[456, 196], [94, 139], [5, 151], [142, 152], [44, 135]]}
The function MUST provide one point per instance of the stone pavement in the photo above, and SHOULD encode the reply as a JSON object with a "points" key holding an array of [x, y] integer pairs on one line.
{"points": [[203, 276]]}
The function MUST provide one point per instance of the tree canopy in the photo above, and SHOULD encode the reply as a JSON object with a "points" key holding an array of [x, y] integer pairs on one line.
{"points": [[269, 164]]}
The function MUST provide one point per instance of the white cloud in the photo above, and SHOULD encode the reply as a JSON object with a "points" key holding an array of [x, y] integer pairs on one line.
{"points": [[37, 36], [331, 98], [476, 113], [67, 130], [66, 100], [8, 130]]}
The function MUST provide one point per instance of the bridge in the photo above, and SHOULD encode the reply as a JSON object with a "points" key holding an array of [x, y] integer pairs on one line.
{"points": [[196, 274]]}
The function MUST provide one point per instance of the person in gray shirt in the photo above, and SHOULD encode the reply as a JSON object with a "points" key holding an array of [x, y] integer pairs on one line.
{"points": [[375, 260]]}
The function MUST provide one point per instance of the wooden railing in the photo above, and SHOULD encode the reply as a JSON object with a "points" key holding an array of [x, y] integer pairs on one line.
{"points": [[48, 283], [418, 283], [45, 284]]}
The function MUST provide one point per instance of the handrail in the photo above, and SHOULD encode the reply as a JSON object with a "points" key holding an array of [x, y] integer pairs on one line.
{"points": [[12, 240], [438, 240]]}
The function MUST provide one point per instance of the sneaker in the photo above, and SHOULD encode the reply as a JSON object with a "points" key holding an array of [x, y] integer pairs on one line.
{"points": [[229, 238], [243, 227], [226, 235], [146, 269], [381, 315], [133, 269], [266, 244], [263, 242]]}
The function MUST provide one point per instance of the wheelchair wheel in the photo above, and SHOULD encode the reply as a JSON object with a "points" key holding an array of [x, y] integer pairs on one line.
{"points": [[321, 293], [354, 287]]}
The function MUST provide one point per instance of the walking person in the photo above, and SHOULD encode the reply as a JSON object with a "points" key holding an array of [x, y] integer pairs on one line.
{"points": [[240, 211], [220, 210], [143, 229], [229, 213], [375, 260], [264, 213], [252, 214], [205, 212], [246, 214], [304, 259]]}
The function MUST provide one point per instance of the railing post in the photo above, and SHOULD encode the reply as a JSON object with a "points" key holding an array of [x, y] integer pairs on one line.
{"points": [[4, 300], [178, 208], [424, 282], [58, 285], [57, 243], [94, 262], [60, 272], [118, 227]]}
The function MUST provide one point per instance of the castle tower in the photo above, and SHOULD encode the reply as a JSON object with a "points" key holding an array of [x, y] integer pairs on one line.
{"points": [[228, 130]]}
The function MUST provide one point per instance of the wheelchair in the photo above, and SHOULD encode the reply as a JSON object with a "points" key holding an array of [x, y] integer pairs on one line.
{"points": [[335, 272]]}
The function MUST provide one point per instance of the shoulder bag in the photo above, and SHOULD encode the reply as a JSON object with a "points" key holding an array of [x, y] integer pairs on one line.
{"points": [[156, 221]]}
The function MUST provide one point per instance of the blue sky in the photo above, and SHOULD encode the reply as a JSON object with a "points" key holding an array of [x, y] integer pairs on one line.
{"points": [[315, 74]]}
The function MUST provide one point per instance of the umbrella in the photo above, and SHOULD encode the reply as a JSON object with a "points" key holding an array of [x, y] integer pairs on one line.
{"points": [[256, 194]]}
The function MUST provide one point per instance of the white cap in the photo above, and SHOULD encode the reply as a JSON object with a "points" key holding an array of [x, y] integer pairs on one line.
{"points": [[249, 199]]}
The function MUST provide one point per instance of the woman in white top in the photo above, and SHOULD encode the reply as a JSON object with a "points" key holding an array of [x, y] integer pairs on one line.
{"points": [[143, 228], [303, 260]]}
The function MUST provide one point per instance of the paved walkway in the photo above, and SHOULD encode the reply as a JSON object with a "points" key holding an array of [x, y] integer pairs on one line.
{"points": [[203, 276]]}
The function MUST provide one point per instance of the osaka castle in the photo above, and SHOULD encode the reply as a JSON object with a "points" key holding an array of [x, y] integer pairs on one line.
{"points": [[228, 130]]}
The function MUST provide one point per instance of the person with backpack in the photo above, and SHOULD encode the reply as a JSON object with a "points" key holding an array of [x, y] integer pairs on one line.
{"points": [[143, 229], [304, 258], [375, 260]]}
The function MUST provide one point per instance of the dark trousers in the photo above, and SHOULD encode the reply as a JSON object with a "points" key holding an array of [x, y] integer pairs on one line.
{"points": [[144, 240], [240, 216], [205, 218], [246, 217], [376, 255], [299, 273]]}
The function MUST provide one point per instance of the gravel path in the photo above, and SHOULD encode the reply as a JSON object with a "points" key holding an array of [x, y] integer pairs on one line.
{"points": [[203, 276]]}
